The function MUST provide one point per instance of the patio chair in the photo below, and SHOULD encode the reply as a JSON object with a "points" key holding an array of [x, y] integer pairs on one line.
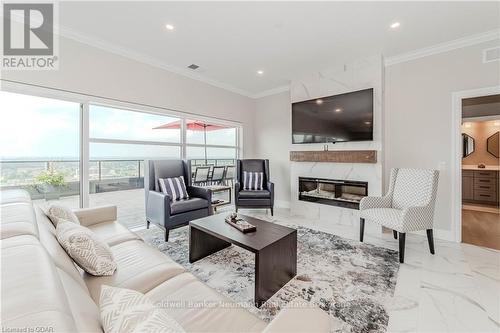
{"points": [[218, 175]]}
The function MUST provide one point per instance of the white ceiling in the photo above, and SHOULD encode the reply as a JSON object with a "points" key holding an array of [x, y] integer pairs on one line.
{"points": [[230, 41]]}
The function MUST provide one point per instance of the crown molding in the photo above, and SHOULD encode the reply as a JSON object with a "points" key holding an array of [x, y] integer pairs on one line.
{"points": [[389, 61], [443, 47], [272, 91], [127, 53]]}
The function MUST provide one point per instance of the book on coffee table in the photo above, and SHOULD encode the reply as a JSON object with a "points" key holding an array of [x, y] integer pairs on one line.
{"points": [[240, 224]]}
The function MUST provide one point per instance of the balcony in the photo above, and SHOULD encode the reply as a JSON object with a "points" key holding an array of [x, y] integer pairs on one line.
{"points": [[111, 182]]}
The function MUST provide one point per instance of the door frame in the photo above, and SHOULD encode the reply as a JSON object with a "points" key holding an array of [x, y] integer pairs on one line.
{"points": [[456, 158]]}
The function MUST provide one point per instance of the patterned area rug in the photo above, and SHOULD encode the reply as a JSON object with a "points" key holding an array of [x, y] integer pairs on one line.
{"points": [[350, 280]]}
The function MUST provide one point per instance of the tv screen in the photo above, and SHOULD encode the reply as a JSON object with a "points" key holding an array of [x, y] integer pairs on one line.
{"points": [[339, 118]]}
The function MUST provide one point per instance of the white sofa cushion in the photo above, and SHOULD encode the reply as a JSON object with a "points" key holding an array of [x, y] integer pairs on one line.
{"points": [[17, 218], [91, 254], [140, 267], [32, 293], [199, 308], [58, 213], [112, 232], [128, 311]]}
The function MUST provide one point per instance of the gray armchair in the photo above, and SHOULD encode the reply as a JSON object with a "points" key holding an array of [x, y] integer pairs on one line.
{"points": [[160, 209], [253, 199]]}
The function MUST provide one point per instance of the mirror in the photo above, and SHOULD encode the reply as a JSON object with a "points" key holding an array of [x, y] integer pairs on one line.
{"points": [[467, 145], [492, 145]]}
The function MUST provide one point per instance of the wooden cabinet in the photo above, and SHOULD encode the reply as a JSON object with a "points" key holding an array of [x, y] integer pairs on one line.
{"points": [[480, 186], [467, 187]]}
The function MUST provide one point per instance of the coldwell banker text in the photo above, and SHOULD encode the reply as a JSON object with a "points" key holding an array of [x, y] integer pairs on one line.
{"points": [[28, 36]]}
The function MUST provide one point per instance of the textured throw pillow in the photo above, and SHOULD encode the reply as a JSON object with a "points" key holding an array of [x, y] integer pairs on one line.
{"points": [[253, 180], [174, 187], [91, 254], [126, 311], [57, 212]]}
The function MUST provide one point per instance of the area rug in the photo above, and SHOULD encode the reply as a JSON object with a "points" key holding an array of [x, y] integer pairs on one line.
{"points": [[352, 281]]}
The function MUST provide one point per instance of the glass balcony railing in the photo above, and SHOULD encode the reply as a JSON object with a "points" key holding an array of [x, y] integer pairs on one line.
{"points": [[44, 178], [48, 178]]}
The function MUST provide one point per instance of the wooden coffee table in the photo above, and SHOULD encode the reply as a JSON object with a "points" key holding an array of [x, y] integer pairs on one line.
{"points": [[274, 245]]}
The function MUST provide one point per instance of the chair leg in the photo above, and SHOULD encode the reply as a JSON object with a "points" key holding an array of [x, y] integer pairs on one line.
{"points": [[272, 211], [430, 239], [236, 209], [361, 229], [402, 238], [167, 231], [147, 224], [395, 234]]}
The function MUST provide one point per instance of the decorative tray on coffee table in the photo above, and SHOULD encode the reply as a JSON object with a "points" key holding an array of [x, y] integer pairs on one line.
{"points": [[240, 224]]}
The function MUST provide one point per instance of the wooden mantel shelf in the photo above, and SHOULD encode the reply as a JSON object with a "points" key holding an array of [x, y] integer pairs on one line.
{"points": [[335, 156]]}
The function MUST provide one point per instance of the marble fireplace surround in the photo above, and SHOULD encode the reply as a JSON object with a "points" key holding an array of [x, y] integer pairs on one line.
{"points": [[358, 75]]}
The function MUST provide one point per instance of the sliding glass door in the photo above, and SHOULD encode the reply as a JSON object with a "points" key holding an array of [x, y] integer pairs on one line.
{"points": [[120, 141], [86, 154], [40, 147]]}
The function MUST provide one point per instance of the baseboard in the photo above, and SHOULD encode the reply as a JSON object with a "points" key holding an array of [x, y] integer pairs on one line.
{"points": [[282, 204], [446, 235]]}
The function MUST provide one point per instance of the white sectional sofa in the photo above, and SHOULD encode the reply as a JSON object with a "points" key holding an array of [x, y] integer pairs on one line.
{"points": [[42, 290]]}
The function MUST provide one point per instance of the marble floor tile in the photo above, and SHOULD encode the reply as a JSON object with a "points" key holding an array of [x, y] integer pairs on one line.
{"points": [[455, 290]]}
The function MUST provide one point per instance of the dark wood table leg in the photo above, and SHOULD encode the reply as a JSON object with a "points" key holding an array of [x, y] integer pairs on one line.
{"points": [[202, 244], [275, 265]]}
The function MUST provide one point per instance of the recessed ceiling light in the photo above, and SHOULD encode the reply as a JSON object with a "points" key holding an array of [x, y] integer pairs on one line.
{"points": [[338, 110], [395, 25], [368, 122], [260, 72], [169, 27], [468, 125], [319, 101]]}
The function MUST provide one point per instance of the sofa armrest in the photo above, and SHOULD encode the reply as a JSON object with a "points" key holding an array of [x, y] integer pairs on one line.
{"points": [[200, 192], [94, 215], [375, 202], [237, 188], [300, 316], [158, 207], [270, 187]]}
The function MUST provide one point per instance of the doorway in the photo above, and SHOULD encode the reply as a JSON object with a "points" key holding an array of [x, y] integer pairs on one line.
{"points": [[479, 157]]}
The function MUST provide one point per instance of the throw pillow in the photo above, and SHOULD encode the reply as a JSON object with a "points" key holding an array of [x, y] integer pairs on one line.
{"points": [[57, 212], [253, 180], [91, 254], [174, 187], [127, 311]]}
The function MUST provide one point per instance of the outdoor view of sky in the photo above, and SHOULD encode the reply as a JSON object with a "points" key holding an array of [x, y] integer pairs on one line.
{"points": [[42, 128]]}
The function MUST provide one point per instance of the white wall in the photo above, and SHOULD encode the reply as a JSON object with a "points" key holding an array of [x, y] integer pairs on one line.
{"points": [[88, 70], [417, 124], [272, 141], [418, 112]]}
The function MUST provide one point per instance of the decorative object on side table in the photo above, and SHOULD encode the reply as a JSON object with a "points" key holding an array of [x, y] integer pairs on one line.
{"points": [[481, 166], [239, 223]]}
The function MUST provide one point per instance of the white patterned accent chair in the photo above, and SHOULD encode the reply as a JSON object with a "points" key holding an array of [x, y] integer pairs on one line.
{"points": [[408, 206]]}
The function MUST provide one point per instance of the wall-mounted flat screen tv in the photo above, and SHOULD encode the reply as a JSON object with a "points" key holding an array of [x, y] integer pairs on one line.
{"points": [[339, 118]]}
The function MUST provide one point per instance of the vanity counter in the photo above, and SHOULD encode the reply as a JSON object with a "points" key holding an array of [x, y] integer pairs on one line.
{"points": [[474, 167]]}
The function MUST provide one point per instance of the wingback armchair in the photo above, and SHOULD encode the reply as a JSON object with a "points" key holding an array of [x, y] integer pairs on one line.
{"points": [[253, 198], [408, 206], [168, 213]]}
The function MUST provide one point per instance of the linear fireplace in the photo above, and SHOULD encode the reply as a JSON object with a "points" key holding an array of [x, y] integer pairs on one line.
{"points": [[342, 193]]}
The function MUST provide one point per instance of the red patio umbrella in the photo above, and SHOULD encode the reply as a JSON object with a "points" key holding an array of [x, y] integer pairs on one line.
{"points": [[194, 126]]}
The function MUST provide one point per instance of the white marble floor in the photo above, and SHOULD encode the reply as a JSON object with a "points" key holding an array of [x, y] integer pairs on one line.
{"points": [[455, 290]]}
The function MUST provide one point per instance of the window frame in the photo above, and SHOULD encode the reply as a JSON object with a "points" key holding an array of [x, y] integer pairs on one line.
{"points": [[84, 134]]}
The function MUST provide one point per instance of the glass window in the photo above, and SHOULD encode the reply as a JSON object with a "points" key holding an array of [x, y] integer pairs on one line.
{"points": [[199, 132], [40, 147], [112, 123]]}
